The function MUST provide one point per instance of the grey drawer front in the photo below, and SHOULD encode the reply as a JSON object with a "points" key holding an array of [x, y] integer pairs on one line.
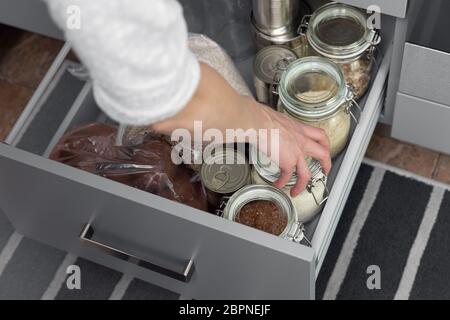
{"points": [[231, 261], [31, 15], [425, 74], [422, 122]]}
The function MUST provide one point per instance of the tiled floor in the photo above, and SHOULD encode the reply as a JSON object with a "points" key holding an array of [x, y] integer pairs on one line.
{"points": [[25, 57]]}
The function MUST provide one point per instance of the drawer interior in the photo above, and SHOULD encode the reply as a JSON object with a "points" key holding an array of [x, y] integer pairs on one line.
{"points": [[78, 107]]}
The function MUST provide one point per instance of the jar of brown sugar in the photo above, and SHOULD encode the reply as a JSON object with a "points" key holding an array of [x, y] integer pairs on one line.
{"points": [[267, 209]]}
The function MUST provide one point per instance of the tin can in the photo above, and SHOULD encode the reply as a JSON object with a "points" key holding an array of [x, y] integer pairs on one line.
{"points": [[276, 17], [277, 22], [268, 66], [293, 40], [225, 171]]}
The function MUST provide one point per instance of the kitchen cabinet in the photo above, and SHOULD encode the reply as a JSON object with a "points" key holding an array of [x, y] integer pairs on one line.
{"points": [[422, 111], [157, 240], [31, 15]]}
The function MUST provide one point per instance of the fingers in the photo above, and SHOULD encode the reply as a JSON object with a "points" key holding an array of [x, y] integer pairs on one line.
{"points": [[303, 177], [318, 152], [285, 177], [317, 135]]}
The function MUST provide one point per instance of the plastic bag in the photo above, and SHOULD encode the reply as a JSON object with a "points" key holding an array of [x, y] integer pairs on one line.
{"points": [[147, 166]]}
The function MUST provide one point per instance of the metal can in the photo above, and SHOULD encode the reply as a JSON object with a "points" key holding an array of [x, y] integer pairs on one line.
{"points": [[225, 171], [276, 23], [275, 17], [292, 40], [294, 230], [268, 66]]}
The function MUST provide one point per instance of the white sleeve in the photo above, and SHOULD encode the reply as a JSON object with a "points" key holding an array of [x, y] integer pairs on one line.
{"points": [[137, 55]]}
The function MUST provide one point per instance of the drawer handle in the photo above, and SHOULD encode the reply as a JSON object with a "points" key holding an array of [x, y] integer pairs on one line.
{"points": [[87, 234]]}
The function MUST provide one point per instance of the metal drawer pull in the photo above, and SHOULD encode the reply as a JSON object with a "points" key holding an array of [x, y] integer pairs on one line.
{"points": [[87, 234]]}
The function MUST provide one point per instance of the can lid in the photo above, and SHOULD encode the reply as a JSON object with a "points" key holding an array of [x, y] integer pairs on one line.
{"points": [[225, 171], [272, 61], [270, 171]]}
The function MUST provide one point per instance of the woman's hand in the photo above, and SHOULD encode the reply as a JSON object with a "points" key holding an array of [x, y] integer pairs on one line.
{"points": [[296, 142], [219, 107]]}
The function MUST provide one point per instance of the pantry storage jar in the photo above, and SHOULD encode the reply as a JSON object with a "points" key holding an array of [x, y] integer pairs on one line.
{"points": [[265, 208], [309, 203], [341, 33], [313, 91]]}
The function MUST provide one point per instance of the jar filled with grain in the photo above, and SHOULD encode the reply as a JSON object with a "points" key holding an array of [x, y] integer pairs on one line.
{"points": [[313, 91], [341, 33], [309, 203]]}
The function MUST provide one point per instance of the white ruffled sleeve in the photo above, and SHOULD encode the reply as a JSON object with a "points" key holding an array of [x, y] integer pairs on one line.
{"points": [[137, 55]]}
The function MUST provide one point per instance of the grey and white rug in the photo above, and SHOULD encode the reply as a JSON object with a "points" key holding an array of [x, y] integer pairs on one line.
{"points": [[395, 224]]}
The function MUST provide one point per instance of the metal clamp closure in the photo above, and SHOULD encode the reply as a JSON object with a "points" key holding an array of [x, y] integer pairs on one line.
{"points": [[298, 235], [281, 66], [351, 102], [303, 28], [310, 188]]}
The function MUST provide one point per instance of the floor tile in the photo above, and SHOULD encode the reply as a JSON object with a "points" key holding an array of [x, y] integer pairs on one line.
{"points": [[13, 99], [26, 57], [402, 155], [442, 172], [383, 130]]}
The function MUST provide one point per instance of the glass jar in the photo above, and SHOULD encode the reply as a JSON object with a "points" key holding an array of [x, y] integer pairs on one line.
{"points": [[313, 91], [283, 223], [309, 203], [341, 33]]}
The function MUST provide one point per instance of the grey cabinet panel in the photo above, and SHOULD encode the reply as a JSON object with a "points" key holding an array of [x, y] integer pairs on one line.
{"points": [[425, 74], [422, 122], [31, 15]]}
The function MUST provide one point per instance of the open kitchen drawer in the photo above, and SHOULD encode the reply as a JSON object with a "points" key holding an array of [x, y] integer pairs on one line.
{"points": [[166, 243]]}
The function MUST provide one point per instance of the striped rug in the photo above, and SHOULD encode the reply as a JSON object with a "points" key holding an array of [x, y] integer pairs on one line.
{"points": [[394, 233]]}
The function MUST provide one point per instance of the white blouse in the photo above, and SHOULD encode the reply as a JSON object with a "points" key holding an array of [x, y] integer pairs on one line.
{"points": [[137, 55]]}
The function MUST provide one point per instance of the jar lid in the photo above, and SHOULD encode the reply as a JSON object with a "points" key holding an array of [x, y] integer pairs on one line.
{"points": [[270, 172], [225, 171], [313, 88], [249, 194], [271, 62], [340, 31]]}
